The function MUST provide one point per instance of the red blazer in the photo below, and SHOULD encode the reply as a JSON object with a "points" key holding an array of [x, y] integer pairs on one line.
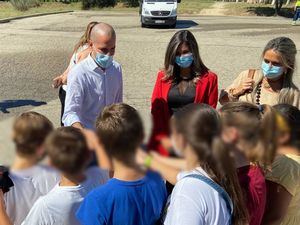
{"points": [[206, 92]]}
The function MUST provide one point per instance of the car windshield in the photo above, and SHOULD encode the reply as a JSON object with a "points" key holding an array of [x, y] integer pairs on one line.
{"points": [[160, 0]]}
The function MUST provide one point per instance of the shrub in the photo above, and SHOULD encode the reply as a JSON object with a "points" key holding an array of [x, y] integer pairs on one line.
{"points": [[86, 4], [131, 3], [23, 5]]}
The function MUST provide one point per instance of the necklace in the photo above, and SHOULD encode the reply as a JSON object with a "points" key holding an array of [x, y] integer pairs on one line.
{"points": [[258, 93]]}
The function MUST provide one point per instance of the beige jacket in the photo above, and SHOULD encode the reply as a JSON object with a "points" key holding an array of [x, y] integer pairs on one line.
{"points": [[266, 97]]}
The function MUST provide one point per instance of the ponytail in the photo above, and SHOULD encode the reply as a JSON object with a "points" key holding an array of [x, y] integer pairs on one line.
{"points": [[228, 179], [267, 143]]}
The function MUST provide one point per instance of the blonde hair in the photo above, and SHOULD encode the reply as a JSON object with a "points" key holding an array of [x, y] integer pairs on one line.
{"points": [[287, 51], [85, 38]]}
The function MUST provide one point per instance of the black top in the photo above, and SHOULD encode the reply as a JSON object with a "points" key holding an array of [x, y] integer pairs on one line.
{"points": [[176, 100]]}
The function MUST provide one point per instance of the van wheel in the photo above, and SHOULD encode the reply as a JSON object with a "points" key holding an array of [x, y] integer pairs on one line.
{"points": [[143, 25]]}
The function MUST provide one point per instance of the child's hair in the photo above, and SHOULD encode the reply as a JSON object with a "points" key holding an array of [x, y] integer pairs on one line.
{"points": [[257, 129], [67, 150], [30, 130], [291, 115], [200, 126], [121, 131], [85, 38]]}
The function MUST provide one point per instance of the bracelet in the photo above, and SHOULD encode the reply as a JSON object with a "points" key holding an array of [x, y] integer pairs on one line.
{"points": [[148, 161]]}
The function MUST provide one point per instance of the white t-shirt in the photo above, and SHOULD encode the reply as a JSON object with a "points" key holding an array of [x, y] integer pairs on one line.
{"points": [[194, 202], [60, 205], [43, 177], [20, 199]]}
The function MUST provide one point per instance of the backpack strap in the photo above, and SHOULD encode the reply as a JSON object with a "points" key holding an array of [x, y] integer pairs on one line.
{"points": [[217, 188], [251, 73]]}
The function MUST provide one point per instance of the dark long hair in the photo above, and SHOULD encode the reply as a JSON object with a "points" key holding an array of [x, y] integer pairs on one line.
{"points": [[200, 126], [171, 68]]}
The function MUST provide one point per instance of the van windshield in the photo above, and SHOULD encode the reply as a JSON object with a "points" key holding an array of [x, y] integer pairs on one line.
{"points": [[160, 0]]}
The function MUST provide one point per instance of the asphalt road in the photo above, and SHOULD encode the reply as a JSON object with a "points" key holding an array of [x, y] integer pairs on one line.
{"points": [[35, 50]]}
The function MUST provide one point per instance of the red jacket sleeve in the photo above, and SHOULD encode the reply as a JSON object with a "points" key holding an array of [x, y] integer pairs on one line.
{"points": [[160, 116], [213, 91]]}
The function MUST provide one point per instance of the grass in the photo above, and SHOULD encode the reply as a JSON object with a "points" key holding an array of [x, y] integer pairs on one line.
{"points": [[241, 9], [185, 7], [7, 10], [194, 6]]}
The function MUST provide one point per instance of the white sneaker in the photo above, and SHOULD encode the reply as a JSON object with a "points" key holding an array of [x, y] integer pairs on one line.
{"points": [[294, 23]]}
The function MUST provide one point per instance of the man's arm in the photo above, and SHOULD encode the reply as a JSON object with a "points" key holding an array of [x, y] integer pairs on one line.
{"points": [[74, 100]]}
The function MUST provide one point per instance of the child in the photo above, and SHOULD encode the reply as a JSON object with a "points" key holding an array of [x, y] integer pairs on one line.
{"points": [[208, 191], [283, 180], [69, 154], [132, 196], [30, 130], [19, 199], [251, 132]]}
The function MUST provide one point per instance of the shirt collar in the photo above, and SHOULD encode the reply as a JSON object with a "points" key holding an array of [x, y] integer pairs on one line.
{"points": [[93, 65]]}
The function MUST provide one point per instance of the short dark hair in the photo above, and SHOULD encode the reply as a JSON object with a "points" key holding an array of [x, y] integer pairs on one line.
{"points": [[120, 130], [30, 130], [67, 150]]}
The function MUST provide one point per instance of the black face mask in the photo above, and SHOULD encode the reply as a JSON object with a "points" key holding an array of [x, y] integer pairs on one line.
{"points": [[5, 182]]}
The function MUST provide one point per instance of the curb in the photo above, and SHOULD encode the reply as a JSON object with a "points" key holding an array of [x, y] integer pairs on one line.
{"points": [[6, 20]]}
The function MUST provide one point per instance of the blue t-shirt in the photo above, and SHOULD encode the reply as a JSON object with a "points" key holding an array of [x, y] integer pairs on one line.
{"points": [[125, 202]]}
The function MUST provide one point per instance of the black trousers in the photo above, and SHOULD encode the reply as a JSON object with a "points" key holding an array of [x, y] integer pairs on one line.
{"points": [[62, 98]]}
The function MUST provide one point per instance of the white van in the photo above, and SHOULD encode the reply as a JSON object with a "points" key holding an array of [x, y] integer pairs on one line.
{"points": [[159, 12]]}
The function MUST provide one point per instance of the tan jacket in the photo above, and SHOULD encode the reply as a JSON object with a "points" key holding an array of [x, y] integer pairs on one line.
{"points": [[266, 97]]}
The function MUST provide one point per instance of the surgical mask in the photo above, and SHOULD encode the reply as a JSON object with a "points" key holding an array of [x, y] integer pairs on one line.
{"points": [[184, 61], [271, 72], [176, 150], [103, 60]]}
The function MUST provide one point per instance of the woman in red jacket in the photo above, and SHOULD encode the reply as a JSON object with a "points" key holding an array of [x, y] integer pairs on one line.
{"points": [[185, 79]]}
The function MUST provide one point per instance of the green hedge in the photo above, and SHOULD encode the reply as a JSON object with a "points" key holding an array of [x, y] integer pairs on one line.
{"points": [[86, 4], [130, 3]]}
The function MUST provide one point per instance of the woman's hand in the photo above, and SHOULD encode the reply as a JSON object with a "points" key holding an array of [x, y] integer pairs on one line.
{"points": [[246, 86], [59, 81]]}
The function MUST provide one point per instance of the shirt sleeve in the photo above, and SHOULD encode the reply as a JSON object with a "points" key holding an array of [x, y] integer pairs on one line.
{"points": [[237, 81], [89, 212], [284, 172], [74, 99], [120, 92], [38, 215], [183, 211], [213, 92]]}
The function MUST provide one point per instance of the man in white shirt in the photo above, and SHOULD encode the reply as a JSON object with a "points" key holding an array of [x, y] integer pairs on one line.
{"points": [[95, 82]]}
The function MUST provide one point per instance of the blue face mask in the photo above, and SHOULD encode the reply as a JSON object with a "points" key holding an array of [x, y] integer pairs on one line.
{"points": [[272, 72], [184, 61], [104, 61]]}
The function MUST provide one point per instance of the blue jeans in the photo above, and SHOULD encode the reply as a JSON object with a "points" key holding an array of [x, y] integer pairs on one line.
{"points": [[297, 14]]}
